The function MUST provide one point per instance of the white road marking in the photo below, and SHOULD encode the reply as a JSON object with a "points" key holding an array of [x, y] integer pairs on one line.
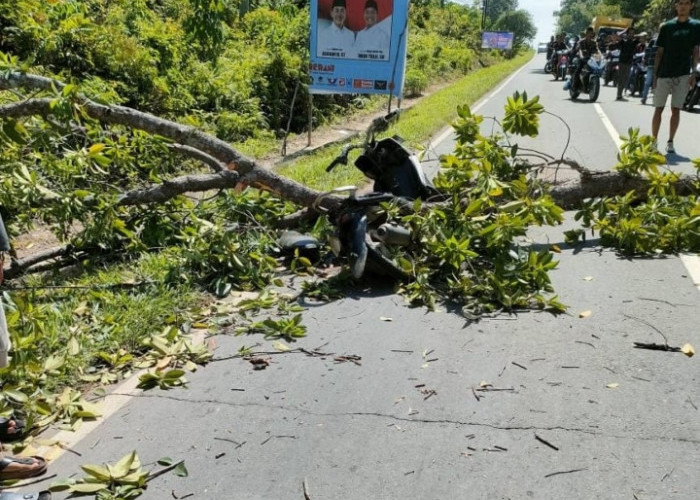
{"points": [[608, 125], [692, 264]]}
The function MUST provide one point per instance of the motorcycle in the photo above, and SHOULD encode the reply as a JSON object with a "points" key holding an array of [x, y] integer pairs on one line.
{"points": [[589, 79], [637, 75], [612, 66], [562, 62], [362, 236], [693, 96]]}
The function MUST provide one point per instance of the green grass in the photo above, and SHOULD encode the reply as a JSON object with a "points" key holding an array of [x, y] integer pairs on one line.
{"points": [[416, 126]]}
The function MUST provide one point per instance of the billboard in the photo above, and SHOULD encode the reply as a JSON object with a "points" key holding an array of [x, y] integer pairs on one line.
{"points": [[497, 40], [358, 46]]}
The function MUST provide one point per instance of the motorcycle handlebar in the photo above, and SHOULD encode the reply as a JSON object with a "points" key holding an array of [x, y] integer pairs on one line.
{"points": [[379, 124]]}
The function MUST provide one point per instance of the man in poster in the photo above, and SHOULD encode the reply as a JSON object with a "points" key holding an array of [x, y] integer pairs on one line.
{"points": [[372, 43], [335, 39]]}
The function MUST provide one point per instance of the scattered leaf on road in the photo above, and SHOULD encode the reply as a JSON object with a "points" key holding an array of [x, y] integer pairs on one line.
{"points": [[585, 314], [384, 318], [281, 346], [614, 385], [588, 278], [688, 350]]}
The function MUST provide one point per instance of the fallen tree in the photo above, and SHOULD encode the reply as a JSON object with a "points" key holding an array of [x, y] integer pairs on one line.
{"points": [[483, 179]]}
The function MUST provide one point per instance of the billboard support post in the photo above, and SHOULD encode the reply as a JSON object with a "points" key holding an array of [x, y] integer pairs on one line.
{"points": [[311, 118]]}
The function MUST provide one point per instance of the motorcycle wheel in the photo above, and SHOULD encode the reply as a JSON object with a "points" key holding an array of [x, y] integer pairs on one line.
{"points": [[548, 67], [381, 265], [573, 93], [593, 89]]}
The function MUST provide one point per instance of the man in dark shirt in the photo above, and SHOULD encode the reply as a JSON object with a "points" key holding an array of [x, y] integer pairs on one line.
{"points": [[677, 49], [586, 48], [627, 45]]}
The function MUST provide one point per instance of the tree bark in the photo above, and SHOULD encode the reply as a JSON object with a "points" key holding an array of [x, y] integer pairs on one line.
{"points": [[217, 153]]}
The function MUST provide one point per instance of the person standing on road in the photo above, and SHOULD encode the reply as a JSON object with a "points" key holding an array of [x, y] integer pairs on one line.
{"points": [[627, 44], [677, 49]]}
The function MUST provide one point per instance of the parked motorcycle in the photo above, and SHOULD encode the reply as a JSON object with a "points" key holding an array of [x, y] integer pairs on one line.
{"points": [[612, 66], [589, 79], [637, 75], [693, 96], [362, 235]]}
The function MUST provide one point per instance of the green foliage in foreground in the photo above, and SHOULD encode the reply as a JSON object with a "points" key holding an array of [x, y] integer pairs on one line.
{"points": [[658, 221], [468, 250]]}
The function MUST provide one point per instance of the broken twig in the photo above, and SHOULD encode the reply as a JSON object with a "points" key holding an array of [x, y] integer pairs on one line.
{"points": [[545, 442], [565, 472]]}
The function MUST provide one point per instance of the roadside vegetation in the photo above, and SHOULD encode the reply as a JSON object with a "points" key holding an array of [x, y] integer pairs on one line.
{"points": [[143, 277]]}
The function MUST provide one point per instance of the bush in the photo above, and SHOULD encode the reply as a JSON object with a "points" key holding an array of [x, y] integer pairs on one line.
{"points": [[415, 83]]}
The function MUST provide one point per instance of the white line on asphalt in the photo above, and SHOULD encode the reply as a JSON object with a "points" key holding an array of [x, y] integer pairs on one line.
{"points": [[692, 264], [608, 125]]}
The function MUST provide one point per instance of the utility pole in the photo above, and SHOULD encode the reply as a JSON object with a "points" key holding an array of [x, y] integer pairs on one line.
{"points": [[483, 14]]}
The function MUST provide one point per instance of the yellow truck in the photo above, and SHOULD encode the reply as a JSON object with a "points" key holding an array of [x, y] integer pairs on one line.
{"points": [[604, 26]]}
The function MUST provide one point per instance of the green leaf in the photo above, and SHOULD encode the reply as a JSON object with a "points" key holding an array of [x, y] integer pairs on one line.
{"points": [[97, 471], [88, 487], [16, 395], [181, 470]]}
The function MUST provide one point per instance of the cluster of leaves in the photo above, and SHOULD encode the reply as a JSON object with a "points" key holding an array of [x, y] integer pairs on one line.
{"points": [[69, 340], [468, 248], [658, 221], [120, 481], [281, 325]]}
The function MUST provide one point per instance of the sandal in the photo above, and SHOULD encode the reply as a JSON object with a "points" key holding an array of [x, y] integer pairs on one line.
{"points": [[24, 472], [11, 428], [42, 495]]}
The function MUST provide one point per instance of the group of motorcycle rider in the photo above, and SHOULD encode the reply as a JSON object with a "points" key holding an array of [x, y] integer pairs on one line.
{"points": [[672, 62], [627, 43]]}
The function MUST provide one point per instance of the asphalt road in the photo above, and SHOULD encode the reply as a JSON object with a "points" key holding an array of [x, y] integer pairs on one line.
{"points": [[513, 407]]}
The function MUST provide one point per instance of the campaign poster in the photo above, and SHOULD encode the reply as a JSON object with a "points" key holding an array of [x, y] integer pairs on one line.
{"points": [[358, 46], [497, 40]]}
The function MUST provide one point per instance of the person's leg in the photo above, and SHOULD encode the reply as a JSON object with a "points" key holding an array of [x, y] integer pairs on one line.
{"points": [[675, 120], [656, 122], [577, 74], [678, 91], [21, 467], [623, 75]]}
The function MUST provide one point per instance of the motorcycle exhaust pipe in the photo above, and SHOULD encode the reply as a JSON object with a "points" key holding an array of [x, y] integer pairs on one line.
{"points": [[393, 235]]}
